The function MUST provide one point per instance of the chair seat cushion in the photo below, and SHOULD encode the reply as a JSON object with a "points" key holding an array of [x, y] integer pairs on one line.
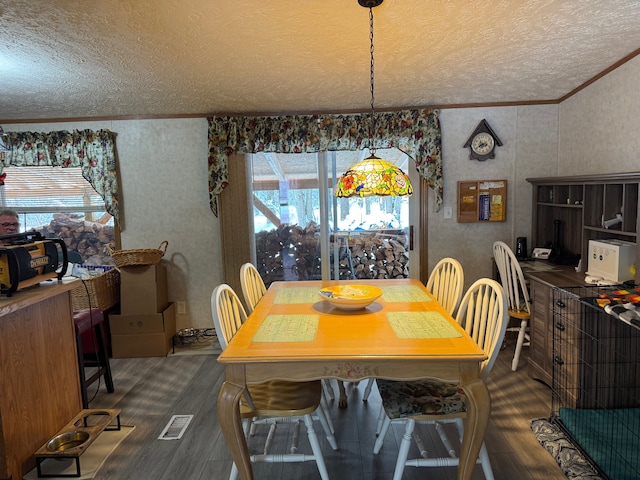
{"points": [[282, 398], [422, 397], [87, 318]]}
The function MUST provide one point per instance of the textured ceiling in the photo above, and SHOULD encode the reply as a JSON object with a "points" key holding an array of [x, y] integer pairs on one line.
{"points": [[113, 58]]}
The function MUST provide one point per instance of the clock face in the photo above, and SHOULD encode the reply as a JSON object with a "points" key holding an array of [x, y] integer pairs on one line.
{"points": [[482, 143]]}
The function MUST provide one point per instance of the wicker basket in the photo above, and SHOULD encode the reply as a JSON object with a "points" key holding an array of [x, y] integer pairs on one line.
{"points": [[142, 256], [101, 291]]}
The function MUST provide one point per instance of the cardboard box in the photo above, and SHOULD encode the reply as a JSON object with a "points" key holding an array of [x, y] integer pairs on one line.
{"points": [[143, 335], [143, 289]]}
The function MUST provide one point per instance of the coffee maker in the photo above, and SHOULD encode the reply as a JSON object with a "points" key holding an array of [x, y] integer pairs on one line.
{"points": [[521, 248]]}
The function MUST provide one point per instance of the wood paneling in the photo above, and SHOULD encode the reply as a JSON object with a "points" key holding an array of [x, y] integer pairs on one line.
{"points": [[423, 189], [39, 385], [236, 223]]}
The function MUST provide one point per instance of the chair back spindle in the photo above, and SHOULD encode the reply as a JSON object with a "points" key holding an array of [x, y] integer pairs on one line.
{"points": [[228, 313], [483, 313], [446, 283], [253, 287]]}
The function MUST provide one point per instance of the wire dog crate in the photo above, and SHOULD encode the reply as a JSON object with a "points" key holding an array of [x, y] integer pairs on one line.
{"points": [[596, 382]]}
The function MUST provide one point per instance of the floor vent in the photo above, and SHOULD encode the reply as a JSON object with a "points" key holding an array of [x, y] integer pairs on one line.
{"points": [[176, 427]]}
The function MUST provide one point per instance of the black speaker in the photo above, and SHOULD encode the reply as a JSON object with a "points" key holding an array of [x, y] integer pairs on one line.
{"points": [[521, 247]]}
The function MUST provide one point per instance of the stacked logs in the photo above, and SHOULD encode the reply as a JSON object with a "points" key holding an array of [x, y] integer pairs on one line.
{"points": [[89, 239], [291, 252], [376, 255]]}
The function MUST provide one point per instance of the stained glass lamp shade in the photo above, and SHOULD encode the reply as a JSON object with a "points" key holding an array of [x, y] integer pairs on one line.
{"points": [[373, 176]]}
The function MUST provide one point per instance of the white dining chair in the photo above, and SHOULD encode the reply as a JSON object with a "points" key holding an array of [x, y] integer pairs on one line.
{"points": [[445, 283], [253, 288], [517, 291], [483, 315], [274, 402]]}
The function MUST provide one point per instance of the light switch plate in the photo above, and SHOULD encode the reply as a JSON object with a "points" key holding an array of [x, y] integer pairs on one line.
{"points": [[448, 212], [181, 308]]}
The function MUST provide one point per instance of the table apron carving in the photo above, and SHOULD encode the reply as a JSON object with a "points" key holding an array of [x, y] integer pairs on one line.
{"points": [[355, 371]]}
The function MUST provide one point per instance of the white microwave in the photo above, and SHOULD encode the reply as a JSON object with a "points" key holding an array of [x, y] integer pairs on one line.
{"points": [[611, 260]]}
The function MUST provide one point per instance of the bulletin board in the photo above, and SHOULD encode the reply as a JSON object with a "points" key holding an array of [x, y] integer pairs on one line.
{"points": [[482, 201]]}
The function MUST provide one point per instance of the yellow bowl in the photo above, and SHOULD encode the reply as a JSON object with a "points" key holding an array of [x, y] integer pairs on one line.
{"points": [[350, 297]]}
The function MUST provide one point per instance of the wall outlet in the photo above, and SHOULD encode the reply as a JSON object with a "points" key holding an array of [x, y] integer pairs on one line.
{"points": [[181, 308]]}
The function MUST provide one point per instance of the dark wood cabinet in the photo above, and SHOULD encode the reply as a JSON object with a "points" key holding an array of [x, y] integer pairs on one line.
{"points": [[541, 325], [583, 208], [582, 205]]}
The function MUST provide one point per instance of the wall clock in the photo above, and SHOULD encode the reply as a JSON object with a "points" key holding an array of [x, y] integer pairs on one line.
{"points": [[482, 142]]}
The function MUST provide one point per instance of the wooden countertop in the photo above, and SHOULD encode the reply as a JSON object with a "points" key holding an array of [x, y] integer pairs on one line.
{"points": [[560, 276], [35, 294]]}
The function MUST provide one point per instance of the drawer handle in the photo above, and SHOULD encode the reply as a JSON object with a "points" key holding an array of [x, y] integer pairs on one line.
{"points": [[560, 304], [560, 325], [558, 361]]}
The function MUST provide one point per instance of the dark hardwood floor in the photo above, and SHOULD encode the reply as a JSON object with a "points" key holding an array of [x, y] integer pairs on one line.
{"points": [[150, 390]]}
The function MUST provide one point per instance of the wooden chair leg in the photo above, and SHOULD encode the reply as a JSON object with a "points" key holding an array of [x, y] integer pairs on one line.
{"points": [[92, 321], [403, 453], [381, 417], [327, 388], [83, 378], [367, 390], [103, 357], [485, 463], [328, 428], [315, 447], [521, 334], [383, 432]]}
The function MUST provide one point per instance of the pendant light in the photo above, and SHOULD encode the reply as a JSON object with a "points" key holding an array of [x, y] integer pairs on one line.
{"points": [[373, 175]]}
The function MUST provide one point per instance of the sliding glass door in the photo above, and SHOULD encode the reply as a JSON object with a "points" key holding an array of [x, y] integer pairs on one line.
{"points": [[303, 232]]}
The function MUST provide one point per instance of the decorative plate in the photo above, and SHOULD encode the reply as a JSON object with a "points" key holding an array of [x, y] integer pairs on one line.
{"points": [[350, 297]]}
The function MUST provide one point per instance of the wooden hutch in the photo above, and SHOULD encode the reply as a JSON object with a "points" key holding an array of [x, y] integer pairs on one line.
{"points": [[579, 206]]}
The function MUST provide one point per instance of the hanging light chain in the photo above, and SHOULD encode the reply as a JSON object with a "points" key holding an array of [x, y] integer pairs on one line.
{"points": [[372, 124]]}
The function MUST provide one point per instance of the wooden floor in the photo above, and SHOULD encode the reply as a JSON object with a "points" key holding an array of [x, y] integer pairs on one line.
{"points": [[150, 390]]}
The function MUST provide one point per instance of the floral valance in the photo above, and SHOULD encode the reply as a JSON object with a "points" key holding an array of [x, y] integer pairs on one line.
{"points": [[415, 132], [93, 151]]}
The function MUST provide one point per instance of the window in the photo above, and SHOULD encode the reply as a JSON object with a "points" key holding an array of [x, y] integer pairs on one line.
{"points": [[60, 203], [296, 218]]}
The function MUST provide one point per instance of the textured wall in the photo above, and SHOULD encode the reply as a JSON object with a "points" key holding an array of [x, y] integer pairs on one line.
{"points": [[529, 137], [600, 126], [163, 166], [164, 196]]}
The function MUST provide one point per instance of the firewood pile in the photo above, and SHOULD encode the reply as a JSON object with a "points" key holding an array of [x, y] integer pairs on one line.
{"points": [[291, 252], [89, 239]]}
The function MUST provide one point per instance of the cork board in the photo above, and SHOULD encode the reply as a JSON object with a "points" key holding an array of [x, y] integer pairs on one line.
{"points": [[482, 201]]}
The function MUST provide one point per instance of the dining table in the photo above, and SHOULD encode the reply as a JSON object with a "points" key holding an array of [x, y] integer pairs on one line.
{"points": [[295, 334]]}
